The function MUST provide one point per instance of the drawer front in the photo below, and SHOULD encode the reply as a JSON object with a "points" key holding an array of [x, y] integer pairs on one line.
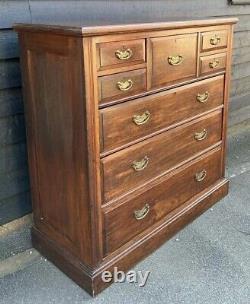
{"points": [[214, 40], [132, 167], [213, 63], [173, 59], [120, 53], [132, 120], [141, 212], [121, 85]]}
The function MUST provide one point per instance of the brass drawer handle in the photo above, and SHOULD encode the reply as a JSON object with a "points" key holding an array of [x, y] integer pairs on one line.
{"points": [[214, 64], [215, 40], [125, 85], [124, 54], [175, 60], [200, 135], [203, 97], [141, 214], [141, 119], [140, 165], [200, 176]]}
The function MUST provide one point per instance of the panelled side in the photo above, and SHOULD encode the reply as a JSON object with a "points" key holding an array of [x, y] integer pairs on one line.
{"points": [[226, 95], [57, 141]]}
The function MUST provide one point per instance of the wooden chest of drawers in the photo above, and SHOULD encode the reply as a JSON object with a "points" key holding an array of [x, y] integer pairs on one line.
{"points": [[126, 129]]}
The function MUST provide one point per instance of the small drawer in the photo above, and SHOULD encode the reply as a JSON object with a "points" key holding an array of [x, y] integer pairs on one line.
{"points": [[174, 59], [121, 85], [214, 40], [120, 53], [135, 215], [213, 63], [134, 166], [135, 119]]}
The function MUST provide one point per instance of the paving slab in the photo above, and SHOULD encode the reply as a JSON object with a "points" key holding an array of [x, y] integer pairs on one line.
{"points": [[15, 237]]}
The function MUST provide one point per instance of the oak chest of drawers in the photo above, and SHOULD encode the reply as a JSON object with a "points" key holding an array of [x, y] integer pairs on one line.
{"points": [[126, 129]]}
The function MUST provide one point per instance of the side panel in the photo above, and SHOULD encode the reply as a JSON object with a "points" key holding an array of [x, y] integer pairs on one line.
{"points": [[56, 130], [226, 95]]}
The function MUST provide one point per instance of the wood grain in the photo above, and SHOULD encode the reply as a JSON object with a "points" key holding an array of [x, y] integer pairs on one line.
{"points": [[80, 29], [206, 37], [163, 151], [165, 109], [108, 85], [55, 125], [107, 58], [164, 48], [121, 224], [219, 60], [89, 173]]}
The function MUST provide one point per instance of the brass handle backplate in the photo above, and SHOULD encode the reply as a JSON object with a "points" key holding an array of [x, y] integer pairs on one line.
{"points": [[215, 40], [200, 135], [141, 119], [175, 60], [203, 97], [141, 214], [200, 176], [214, 64], [125, 85], [124, 54], [140, 165]]}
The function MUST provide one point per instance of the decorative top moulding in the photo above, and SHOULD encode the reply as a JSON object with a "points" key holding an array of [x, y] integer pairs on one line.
{"points": [[116, 28]]}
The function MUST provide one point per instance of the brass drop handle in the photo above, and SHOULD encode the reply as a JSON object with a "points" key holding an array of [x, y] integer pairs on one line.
{"points": [[214, 64], [140, 165], [215, 40], [203, 97], [124, 54], [175, 60], [200, 176], [141, 214], [125, 85], [141, 119], [200, 135]]}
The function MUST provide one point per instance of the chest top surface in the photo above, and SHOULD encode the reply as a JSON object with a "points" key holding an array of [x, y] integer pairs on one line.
{"points": [[102, 28]]}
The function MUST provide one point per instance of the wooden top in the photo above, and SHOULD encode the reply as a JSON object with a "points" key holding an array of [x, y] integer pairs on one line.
{"points": [[105, 29]]}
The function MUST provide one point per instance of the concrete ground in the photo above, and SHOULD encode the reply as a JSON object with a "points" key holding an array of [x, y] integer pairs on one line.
{"points": [[208, 262]]}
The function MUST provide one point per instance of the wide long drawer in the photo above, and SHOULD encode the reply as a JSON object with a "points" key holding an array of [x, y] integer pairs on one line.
{"points": [[130, 168], [132, 217], [132, 120]]}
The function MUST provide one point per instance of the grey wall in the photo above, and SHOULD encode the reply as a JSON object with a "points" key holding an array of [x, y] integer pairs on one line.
{"points": [[14, 185]]}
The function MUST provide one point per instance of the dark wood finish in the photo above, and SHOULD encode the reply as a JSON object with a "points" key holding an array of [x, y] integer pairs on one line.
{"points": [[212, 63], [163, 71], [226, 103], [121, 224], [133, 81], [133, 53], [165, 109], [55, 120], [162, 152], [214, 40], [107, 12], [79, 29], [139, 249], [81, 185]]}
